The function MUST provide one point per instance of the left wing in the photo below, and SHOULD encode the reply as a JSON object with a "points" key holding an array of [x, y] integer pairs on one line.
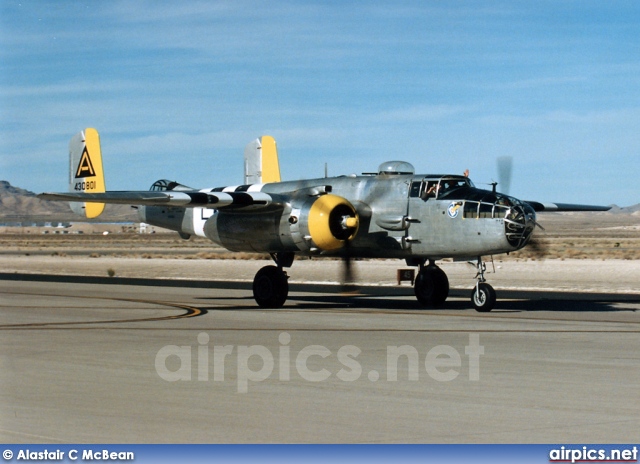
{"points": [[185, 199]]}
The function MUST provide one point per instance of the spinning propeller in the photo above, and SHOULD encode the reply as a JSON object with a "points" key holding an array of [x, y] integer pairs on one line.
{"points": [[505, 168], [347, 281]]}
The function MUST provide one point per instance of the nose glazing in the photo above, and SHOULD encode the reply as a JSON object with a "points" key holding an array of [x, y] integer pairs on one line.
{"points": [[519, 223]]}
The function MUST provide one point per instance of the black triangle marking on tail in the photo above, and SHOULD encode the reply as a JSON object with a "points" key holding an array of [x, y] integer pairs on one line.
{"points": [[85, 168]]}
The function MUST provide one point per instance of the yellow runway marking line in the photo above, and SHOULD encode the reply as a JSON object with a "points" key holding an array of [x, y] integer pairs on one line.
{"points": [[190, 311]]}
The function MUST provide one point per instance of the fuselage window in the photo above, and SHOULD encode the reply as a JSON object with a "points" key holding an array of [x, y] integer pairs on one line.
{"points": [[486, 210], [470, 209]]}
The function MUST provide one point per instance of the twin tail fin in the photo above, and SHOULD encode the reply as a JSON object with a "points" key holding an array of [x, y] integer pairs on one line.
{"points": [[85, 171]]}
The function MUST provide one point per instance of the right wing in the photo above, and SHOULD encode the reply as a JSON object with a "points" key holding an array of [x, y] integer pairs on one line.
{"points": [[540, 207]]}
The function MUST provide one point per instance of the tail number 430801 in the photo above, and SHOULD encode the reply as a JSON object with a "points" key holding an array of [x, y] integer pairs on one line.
{"points": [[88, 185]]}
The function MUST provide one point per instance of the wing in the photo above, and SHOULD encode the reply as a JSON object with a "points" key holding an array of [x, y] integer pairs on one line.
{"points": [[540, 207], [185, 199]]}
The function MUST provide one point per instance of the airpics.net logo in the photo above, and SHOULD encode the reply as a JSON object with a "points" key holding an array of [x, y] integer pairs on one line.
{"points": [[592, 454], [313, 363]]}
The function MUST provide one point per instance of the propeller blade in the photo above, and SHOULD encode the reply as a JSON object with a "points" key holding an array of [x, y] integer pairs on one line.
{"points": [[505, 168], [348, 275]]}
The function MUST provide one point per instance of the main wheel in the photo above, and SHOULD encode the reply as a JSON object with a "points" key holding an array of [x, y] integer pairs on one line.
{"points": [[270, 287], [483, 297], [432, 286]]}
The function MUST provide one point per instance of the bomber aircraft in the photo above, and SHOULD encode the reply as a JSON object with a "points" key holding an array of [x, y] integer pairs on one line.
{"points": [[390, 213]]}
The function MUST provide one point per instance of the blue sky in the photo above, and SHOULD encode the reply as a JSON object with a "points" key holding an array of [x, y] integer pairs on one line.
{"points": [[177, 89]]}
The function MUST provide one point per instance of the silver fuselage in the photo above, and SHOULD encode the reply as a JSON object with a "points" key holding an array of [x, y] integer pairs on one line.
{"points": [[397, 219]]}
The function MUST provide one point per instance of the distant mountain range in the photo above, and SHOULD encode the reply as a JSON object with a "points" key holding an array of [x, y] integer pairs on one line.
{"points": [[18, 204], [627, 209]]}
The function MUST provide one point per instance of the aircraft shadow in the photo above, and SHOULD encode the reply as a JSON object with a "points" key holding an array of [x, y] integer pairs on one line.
{"points": [[327, 296], [514, 301]]}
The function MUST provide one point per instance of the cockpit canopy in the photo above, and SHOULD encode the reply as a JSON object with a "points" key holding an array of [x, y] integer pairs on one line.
{"points": [[441, 187], [163, 185]]}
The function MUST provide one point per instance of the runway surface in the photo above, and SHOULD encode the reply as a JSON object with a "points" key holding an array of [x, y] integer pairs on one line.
{"points": [[92, 360]]}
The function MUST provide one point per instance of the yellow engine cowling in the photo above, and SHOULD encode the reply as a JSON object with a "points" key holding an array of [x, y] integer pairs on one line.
{"points": [[332, 221], [308, 224]]}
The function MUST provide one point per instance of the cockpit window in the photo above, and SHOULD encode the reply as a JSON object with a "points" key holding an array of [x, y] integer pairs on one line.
{"points": [[415, 189], [460, 191], [447, 186], [450, 184], [431, 189], [440, 187], [161, 185]]}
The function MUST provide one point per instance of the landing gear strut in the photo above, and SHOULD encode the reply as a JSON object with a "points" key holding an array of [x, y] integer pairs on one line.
{"points": [[432, 285], [270, 285], [483, 296]]}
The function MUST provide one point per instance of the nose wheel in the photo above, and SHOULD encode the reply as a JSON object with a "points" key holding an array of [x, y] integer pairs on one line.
{"points": [[483, 296]]}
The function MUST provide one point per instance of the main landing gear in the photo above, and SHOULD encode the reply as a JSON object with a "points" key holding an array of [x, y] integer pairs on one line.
{"points": [[270, 285], [432, 287]]}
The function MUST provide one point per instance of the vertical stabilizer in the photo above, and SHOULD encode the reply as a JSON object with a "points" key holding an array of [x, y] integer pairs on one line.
{"points": [[85, 171], [261, 161]]}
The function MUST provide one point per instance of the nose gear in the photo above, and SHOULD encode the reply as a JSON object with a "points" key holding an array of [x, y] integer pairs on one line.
{"points": [[483, 296]]}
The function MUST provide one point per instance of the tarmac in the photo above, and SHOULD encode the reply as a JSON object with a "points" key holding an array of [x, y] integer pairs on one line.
{"points": [[120, 360]]}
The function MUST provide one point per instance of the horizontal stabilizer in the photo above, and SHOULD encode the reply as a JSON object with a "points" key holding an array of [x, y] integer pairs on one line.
{"points": [[540, 207]]}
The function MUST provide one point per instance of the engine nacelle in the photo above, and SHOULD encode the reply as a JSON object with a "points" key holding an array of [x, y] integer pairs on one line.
{"points": [[331, 221], [311, 224]]}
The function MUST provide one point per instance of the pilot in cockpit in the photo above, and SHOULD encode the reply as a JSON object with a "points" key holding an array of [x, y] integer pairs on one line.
{"points": [[430, 190]]}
